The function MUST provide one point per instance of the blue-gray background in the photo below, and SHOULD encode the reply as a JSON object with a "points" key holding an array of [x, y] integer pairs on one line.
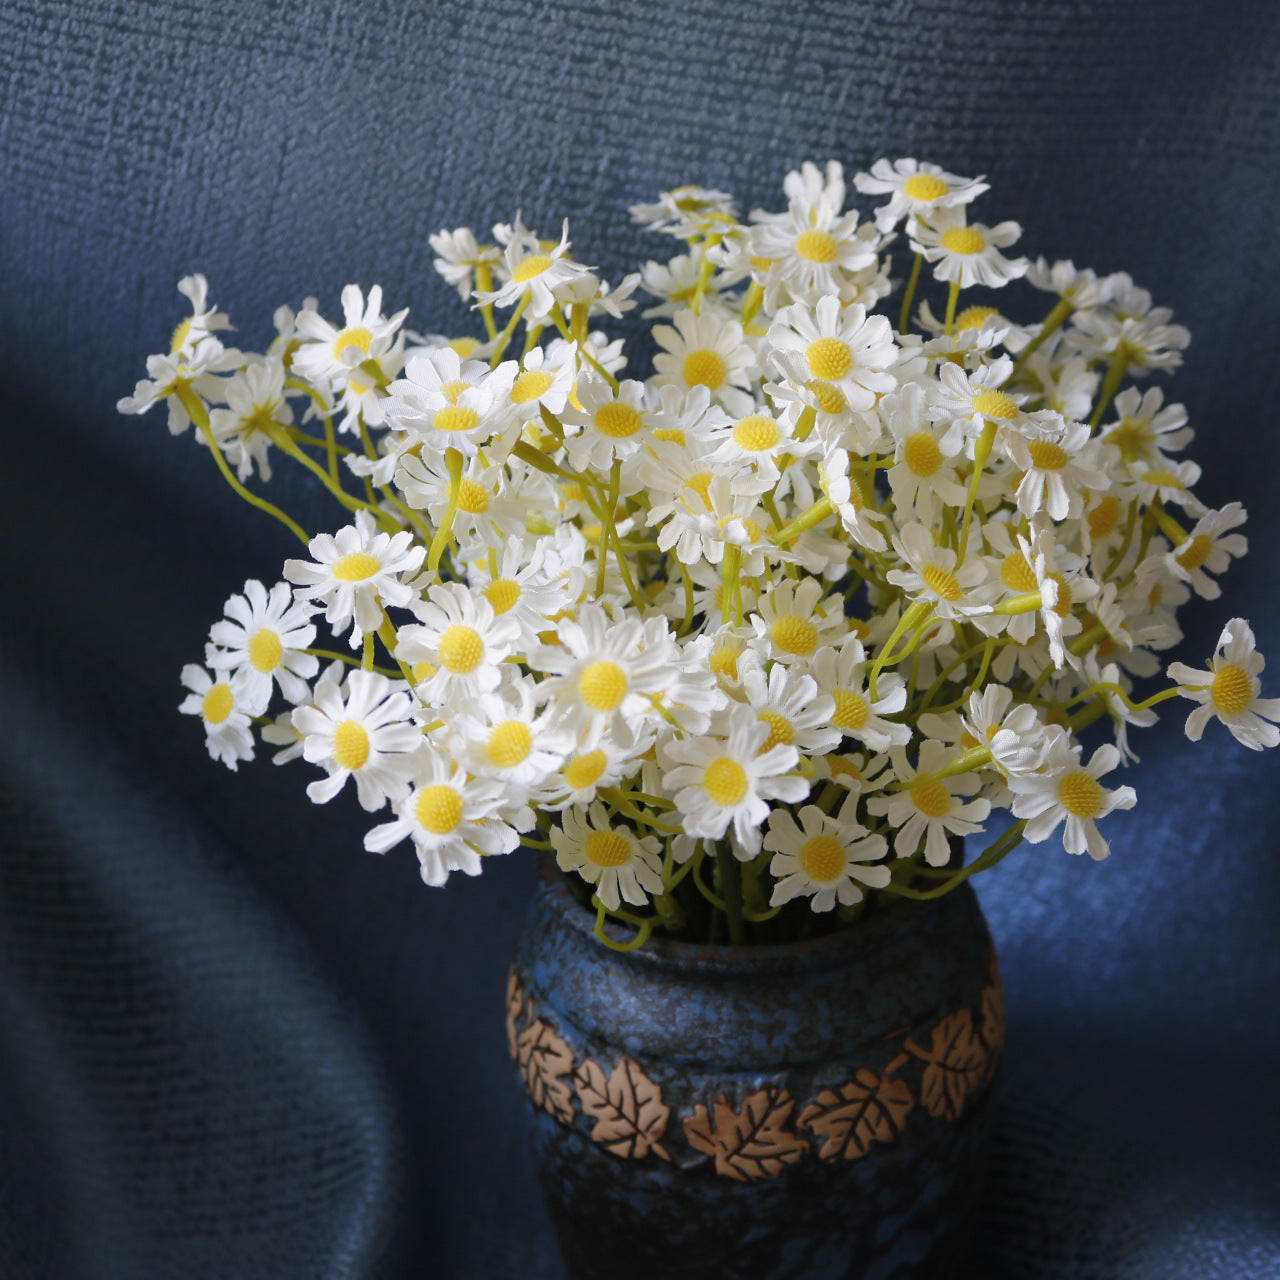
{"points": [[235, 1045]]}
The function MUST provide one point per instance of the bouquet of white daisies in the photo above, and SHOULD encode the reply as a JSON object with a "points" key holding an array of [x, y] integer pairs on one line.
{"points": [[751, 643]]}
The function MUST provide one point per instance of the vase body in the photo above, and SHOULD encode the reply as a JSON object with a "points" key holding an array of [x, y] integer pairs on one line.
{"points": [[813, 1110]]}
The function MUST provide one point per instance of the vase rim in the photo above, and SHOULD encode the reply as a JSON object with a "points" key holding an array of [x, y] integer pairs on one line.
{"points": [[696, 956]]}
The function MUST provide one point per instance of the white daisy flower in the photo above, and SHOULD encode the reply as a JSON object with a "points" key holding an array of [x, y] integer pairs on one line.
{"points": [[758, 440], [522, 583], [1169, 481], [1144, 430], [973, 399], [534, 270], [255, 401], [545, 381], [705, 351], [676, 282], [168, 374], [369, 736], [1015, 735], [823, 856], [932, 575], [915, 188], [263, 635], [461, 637], [795, 619], [503, 735], [841, 674], [458, 253], [1081, 288], [788, 701], [614, 859], [812, 248], [329, 354], [203, 321], [1209, 548], [687, 212], [861, 521], [967, 254], [843, 347], [603, 760], [922, 475], [931, 812], [1228, 690], [599, 669], [1057, 461], [226, 707], [451, 818], [1063, 583], [446, 402], [1127, 323], [355, 572], [726, 782], [610, 424], [485, 503], [1068, 792]]}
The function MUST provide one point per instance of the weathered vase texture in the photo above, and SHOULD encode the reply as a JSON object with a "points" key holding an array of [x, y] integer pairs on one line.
{"points": [[728, 1113]]}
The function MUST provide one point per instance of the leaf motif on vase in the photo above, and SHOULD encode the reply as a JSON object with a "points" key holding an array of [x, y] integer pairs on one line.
{"points": [[515, 1010], [545, 1061], [626, 1106], [992, 1009], [869, 1108], [750, 1144], [955, 1065]]}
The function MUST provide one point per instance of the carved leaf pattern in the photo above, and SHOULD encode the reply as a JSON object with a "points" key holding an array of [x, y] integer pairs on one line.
{"points": [[992, 1007], [545, 1061], [630, 1116], [955, 1065], [751, 1144], [869, 1108], [515, 1010]]}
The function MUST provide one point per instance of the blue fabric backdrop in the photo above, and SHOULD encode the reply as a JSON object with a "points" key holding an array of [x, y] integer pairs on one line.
{"points": [[235, 1045]]}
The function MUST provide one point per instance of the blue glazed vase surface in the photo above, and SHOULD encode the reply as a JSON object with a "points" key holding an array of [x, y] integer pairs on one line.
{"points": [[811, 1111]]}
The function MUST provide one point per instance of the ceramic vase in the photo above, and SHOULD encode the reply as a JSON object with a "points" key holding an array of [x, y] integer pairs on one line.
{"points": [[814, 1109]]}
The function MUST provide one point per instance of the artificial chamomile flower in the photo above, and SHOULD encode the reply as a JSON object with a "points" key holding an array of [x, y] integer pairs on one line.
{"points": [[263, 635], [226, 706], [824, 856], [1228, 690], [620, 863]]}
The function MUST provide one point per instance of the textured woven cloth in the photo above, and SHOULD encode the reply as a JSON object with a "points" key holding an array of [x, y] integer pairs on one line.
{"points": [[233, 1044]]}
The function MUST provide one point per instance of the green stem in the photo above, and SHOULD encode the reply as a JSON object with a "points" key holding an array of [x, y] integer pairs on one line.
{"points": [[910, 296]]}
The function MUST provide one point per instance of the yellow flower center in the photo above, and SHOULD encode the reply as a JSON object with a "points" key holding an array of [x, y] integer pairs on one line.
{"points": [[439, 809], [617, 419], [531, 384], [584, 771], [602, 685], [921, 453], [844, 767], [180, 336], [974, 318], [724, 662], [509, 743], [1047, 456], [463, 346], [756, 432], [932, 799], [817, 246], [965, 240], [1017, 574], [534, 265], [455, 417], [823, 858], [1062, 607], [461, 649], [994, 404], [924, 186], [1194, 552], [1130, 438], [350, 745], [356, 567], [829, 359], [607, 848], [780, 731], [472, 497], [502, 593], [1163, 479], [831, 400], [1080, 794], [673, 435], [704, 369], [851, 710], [452, 390], [1232, 689], [793, 634], [218, 703], [725, 781], [265, 650], [357, 337], [942, 582], [1104, 517]]}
